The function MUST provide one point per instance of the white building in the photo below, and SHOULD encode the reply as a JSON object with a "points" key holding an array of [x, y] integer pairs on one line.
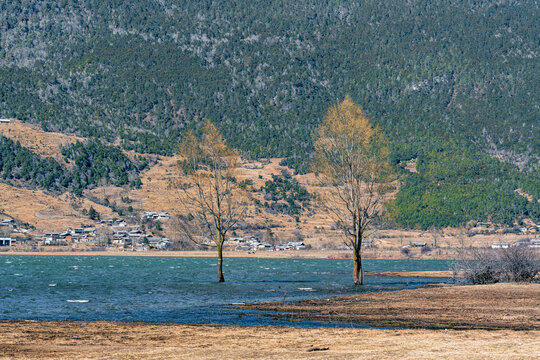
{"points": [[6, 241]]}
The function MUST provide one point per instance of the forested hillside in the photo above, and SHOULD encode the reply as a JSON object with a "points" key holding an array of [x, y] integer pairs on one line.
{"points": [[93, 164], [453, 83]]}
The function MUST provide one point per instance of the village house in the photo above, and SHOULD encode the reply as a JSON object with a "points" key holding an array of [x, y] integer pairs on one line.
{"points": [[7, 222], [265, 246], [7, 241], [291, 245], [120, 237], [297, 245], [164, 216], [152, 215], [530, 243], [236, 240], [135, 233], [158, 243], [52, 238], [75, 231], [111, 222], [149, 215], [89, 231], [5, 121]]}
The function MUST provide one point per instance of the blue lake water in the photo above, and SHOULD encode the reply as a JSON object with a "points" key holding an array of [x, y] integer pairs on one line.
{"points": [[180, 290]]}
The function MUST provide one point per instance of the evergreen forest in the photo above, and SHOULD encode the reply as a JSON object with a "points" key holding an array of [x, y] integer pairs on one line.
{"points": [[454, 85]]}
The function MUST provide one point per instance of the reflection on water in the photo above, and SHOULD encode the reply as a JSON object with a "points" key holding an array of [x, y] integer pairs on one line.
{"points": [[183, 290]]}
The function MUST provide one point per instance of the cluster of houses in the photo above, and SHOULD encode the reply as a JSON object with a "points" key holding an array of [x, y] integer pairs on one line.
{"points": [[127, 237], [530, 243], [71, 235], [291, 245], [111, 232], [137, 240], [489, 228], [253, 244], [107, 232], [528, 230]]}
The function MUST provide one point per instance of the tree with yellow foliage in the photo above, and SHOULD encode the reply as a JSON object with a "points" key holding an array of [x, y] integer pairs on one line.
{"points": [[352, 163], [211, 200]]}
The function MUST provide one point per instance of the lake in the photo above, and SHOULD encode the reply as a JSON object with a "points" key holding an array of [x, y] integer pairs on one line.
{"points": [[180, 290]]}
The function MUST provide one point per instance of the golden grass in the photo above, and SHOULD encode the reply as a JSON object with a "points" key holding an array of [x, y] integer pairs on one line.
{"points": [[45, 211], [112, 340]]}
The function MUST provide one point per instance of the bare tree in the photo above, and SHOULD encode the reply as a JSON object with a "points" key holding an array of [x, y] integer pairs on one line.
{"points": [[211, 200], [435, 234], [352, 163], [104, 235]]}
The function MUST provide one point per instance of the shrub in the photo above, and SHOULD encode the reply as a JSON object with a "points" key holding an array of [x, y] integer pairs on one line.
{"points": [[521, 264], [406, 251], [426, 249], [487, 266]]}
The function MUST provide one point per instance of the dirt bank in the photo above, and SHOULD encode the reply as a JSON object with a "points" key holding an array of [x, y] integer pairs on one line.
{"points": [[301, 254], [498, 306], [305, 254]]}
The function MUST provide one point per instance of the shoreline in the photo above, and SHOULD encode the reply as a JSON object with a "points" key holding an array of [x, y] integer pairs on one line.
{"points": [[303, 254], [503, 325], [501, 306], [296, 254]]}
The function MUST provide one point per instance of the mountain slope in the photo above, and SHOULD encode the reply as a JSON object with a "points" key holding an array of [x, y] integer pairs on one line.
{"points": [[450, 77]]}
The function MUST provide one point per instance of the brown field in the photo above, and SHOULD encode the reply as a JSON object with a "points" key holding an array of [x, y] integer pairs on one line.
{"points": [[113, 340], [509, 306], [498, 306], [45, 211]]}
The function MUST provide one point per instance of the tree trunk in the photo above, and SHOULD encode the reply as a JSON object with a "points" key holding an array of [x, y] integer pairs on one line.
{"points": [[220, 264], [358, 273]]}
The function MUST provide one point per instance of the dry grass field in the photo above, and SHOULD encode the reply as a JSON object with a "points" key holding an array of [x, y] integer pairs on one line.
{"points": [[107, 340], [45, 211]]}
